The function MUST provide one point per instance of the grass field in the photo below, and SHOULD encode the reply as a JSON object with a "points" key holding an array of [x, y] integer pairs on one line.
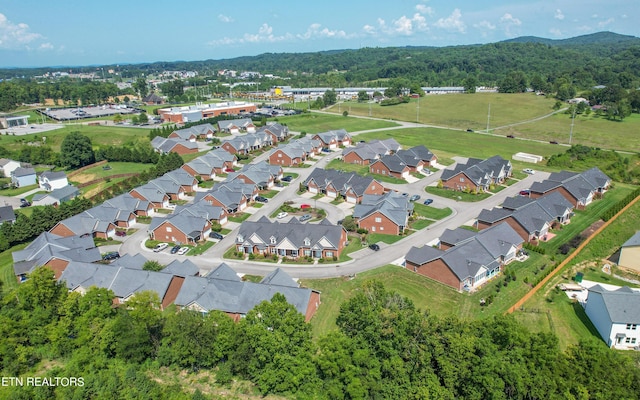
{"points": [[472, 112], [7, 276], [315, 123], [362, 170]]}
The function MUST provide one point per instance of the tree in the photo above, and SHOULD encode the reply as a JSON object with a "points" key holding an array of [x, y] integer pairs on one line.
{"points": [[141, 87], [76, 151], [514, 82], [152, 265], [470, 84], [329, 98], [143, 118], [363, 96]]}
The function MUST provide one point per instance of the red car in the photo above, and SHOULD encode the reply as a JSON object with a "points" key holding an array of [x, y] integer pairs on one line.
{"points": [[229, 170], [303, 206]]}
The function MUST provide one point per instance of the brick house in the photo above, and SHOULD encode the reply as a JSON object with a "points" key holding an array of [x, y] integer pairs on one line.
{"points": [[477, 175], [179, 228], [391, 165], [170, 145], [578, 188], [333, 139], [388, 213], [351, 186]]}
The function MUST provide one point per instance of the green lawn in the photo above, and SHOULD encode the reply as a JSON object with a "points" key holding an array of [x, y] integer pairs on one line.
{"points": [[199, 249], [362, 170], [384, 238], [17, 191], [239, 217], [315, 123], [270, 194], [355, 244], [456, 195], [431, 212], [7, 275]]}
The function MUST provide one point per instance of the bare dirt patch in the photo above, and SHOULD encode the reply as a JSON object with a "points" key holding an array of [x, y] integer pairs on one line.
{"points": [[591, 229]]}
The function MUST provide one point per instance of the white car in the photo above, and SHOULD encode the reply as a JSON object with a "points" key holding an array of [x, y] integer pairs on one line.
{"points": [[528, 171], [160, 246], [282, 215], [183, 251]]}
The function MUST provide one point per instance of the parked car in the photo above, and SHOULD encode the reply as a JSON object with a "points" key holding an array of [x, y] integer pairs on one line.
{"points": [[469, 130], [281, 215], [305, 217], [121, 233], [553, 142], [183, 251], [175, 249], [511, 136], [229, 170], [305, 206], [287, 178], [215, 235], [414, 197], [374, 247], [24, 203], [326, 150], [524, 193], [428, 201], [160, 246], [113, 255], [405, 194], [262, 199], [528, 171]]}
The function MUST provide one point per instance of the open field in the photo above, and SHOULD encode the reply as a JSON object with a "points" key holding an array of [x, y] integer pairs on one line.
{"points": [[314, 123], [472, 112], [463, 111]]}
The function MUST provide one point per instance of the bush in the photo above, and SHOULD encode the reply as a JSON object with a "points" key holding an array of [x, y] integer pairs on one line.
{"points": [[362, 231]]}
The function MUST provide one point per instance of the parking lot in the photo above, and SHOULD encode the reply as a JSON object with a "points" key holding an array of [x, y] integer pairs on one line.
{"points": [[79, 113]]}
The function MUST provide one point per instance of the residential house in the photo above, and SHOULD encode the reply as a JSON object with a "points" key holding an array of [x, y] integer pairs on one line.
{"points": [[333, 139], [127, 202], [477, 175], [579, 189], [84, 224], [233, 196], [235, 126], [54, 252], [292, 239], [471, 262], [531, 222], [21, 177], [49, 180], [169, 186], [351, 186], [56, 196], [616, 316], [151, 193], [419, 153], [388, 213], [630, 253], [183, 178], [247, 143], [152, 99], [223, 290], [204, 209], [187, 134], [7, 215], [367, 153], [7, 166], [170, 145], [260, 174], [181, 228], [212, 163], [277, 131], [391, 165]]}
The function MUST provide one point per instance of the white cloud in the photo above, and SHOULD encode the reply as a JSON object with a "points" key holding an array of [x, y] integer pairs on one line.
{"points": [[508, 22], [422, 9], [453, 22], [16, 35], [555, 32], [46, 46], [404, 26], [484, 24], [559, 15], [225, 18], [317, 31], [606, 22]]}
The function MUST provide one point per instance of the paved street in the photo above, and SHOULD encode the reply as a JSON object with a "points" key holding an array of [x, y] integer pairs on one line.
{"points": [[362, 260]]}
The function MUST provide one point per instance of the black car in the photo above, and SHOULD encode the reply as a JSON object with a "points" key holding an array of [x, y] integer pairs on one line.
{"points": [[553, 142], [287, 178], [175, 249], [216, 235], [262, 199], [114, 255], [374, 247]]}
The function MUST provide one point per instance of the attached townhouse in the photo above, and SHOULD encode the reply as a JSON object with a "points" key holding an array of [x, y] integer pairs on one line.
{"points": [[277, 131], [181, 228], [578, 188], [349, 185], [333, 139], [171, 145], [367, 153], [235, 126], [247, 143], [470, 262], [391, 165], [388, 213], [477, 175], [292, 239], [55, 252]]}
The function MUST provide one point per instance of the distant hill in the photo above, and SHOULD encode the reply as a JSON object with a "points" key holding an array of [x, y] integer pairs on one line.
{"points": [[600, 38]]}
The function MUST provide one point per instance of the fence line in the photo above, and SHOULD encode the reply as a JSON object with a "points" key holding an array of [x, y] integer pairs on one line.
{"points": [[582, 245]]}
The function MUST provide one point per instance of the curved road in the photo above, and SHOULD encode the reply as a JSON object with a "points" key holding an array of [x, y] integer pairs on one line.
{"points": [[362, 260]]}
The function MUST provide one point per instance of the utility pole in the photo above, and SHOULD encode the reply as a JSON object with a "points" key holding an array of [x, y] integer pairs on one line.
{"points": [[488, 117], [573, 117]]}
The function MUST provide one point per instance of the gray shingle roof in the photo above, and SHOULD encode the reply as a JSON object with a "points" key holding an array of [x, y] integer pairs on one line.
{"points": [[481, 172], [20, 171], [393, 205], [394, 162], [622, 305], [184, 222], [455, 236], [181, 268], [318, 235], [633, 240], [7, 214], [279, 278]]}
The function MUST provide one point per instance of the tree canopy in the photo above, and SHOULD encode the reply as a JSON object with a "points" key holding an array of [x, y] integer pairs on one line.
{"points": [[76, 151]]}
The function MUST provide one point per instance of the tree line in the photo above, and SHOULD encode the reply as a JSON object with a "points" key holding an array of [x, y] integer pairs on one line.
{"points": [[383, 348]]}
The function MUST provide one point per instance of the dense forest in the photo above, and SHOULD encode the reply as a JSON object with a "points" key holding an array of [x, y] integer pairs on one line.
{"points": [[383, 348], [600, 59]]}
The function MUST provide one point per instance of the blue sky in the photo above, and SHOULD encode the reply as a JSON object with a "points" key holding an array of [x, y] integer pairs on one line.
{"points": [[75, 33]]}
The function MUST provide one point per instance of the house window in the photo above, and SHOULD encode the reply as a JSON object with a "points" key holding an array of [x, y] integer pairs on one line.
{"points": [[307, 242], [378, 219], [627, 340], [272, 240], [632, 326], [382, 228], [279, 155], [169, 229], [329, 254], [273, 250], [461, 179], [307, 253]]}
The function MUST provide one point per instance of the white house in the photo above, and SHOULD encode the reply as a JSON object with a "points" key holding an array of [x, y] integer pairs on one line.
{"points": [[49, 180], [616, 316], [22, 177], [7, 166]]}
